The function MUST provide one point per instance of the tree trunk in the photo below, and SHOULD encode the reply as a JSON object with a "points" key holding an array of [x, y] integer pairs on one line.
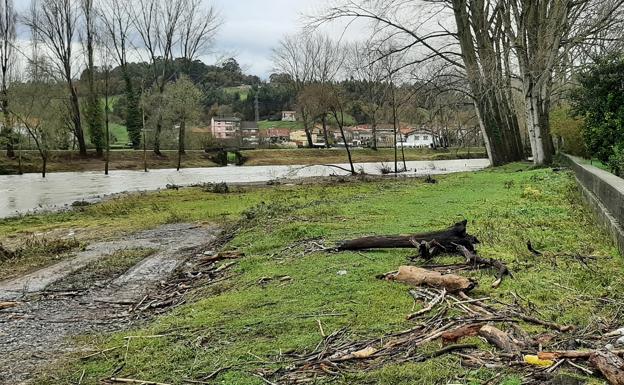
{"points": [[181, 136], [306, 128], [538, 126], [75, 110], [448, 239], [344, 139], [496, 116], [374, 134], [325, 134], [7, 130], [44, 160]]}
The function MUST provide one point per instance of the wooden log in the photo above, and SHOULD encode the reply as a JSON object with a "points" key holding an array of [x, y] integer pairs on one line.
{"points": [[572, 354], [8, 305], [446, 239], [498, 338], [416, 276], [610, 365], [454, 335]]}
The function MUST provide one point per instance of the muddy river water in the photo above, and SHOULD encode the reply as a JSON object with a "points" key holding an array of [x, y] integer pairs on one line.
{"points": [[21, 194]]}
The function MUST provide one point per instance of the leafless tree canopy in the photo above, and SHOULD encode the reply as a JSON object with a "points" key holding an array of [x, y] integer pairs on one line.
{"points": [[497, 46]]}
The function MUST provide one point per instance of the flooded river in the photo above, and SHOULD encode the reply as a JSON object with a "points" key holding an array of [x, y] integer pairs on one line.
{"points": [[21, 194]]}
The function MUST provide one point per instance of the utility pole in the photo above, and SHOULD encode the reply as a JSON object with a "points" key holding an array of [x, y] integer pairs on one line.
{"points": [[106, 119], [144, 144], [257, 107]]}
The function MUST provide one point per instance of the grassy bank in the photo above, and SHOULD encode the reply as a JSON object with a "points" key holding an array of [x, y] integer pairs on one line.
{"points": [[245, 323], [133, 160]]}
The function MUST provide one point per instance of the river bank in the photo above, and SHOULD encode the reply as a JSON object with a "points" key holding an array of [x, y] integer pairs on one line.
{"points": [[69, 161], [286, 293], [20, 194]]}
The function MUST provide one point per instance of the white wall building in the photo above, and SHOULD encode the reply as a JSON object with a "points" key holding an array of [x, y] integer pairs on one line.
{"points": [[289, 116], [417, 139]]}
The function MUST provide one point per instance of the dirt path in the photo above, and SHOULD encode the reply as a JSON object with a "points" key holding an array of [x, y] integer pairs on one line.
{"points": [[36, 332]]}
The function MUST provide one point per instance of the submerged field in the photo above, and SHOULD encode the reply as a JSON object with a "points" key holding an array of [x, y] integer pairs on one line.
{"points": [[249, 323]]}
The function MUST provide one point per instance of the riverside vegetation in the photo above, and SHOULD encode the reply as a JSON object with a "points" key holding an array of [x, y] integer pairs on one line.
{"points": [[242, 325]]}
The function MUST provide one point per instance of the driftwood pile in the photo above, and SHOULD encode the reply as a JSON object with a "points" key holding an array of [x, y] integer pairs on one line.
{"points": [[449, 315]]}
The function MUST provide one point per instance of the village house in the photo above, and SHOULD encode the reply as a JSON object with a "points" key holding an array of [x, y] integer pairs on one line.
{"points": [[275, 135], [300, 138], [225, 127], [362, 135], [289, 116], [417, 139], [250, 134]]}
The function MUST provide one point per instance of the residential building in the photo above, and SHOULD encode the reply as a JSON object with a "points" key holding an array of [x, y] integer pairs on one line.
{"points": [[418, 139], [225, 127], [249, 134], [301, 139], [289, 116], [385, 136], [275, 135], [362, 135]]}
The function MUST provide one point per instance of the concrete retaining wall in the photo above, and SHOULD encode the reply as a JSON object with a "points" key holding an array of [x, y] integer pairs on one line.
{"points": [[605, 194]]}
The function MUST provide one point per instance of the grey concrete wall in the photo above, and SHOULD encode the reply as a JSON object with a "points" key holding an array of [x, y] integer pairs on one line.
{"points": [[605, 194]]}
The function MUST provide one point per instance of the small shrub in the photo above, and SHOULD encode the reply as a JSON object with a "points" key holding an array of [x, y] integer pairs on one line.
{"points": [[216, 188], [81, 204], [531, 192], [385, 169]]}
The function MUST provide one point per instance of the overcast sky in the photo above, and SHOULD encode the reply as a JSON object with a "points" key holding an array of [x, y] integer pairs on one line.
{"points": [[253, 27]]}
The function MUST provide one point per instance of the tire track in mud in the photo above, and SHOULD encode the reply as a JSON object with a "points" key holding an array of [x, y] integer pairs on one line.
{"points": [[39, 329]]}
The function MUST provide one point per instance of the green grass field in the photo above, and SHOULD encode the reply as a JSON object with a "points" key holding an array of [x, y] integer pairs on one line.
{"points": [[245, 326], [266, 124]]}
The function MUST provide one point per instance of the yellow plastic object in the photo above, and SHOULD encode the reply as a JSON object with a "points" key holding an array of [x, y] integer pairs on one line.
{"points": [[535, 360]]}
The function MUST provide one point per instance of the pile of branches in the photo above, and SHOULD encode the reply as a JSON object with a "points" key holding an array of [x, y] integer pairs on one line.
{"points": [[449, 315]]}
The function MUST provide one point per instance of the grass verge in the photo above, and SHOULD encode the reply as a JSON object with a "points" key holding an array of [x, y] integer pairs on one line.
{"points": [[246, 323]]}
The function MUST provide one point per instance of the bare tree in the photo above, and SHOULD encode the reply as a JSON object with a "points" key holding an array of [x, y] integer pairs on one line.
{"points": [[197, 30], [55, 23], [116, 17], [336, 102], [541, 34], [157, 23], [294, 57], [8, 20], [363, 66], [485, 43]]}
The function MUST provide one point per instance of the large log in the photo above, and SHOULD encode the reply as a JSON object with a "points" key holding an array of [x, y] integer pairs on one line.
{"points": [[416, 276], [610, 365], [447, 239]]}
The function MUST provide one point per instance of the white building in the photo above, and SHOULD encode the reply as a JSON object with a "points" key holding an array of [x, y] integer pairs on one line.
{"points": [[417, 139], [289, 116]]}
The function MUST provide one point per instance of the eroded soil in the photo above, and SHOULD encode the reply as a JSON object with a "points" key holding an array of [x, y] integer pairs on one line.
{"points": [[92, 292]]}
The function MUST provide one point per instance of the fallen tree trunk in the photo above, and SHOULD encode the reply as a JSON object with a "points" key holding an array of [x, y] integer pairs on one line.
{"points": [[610, 365], [416, 276], [445, 240]]}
